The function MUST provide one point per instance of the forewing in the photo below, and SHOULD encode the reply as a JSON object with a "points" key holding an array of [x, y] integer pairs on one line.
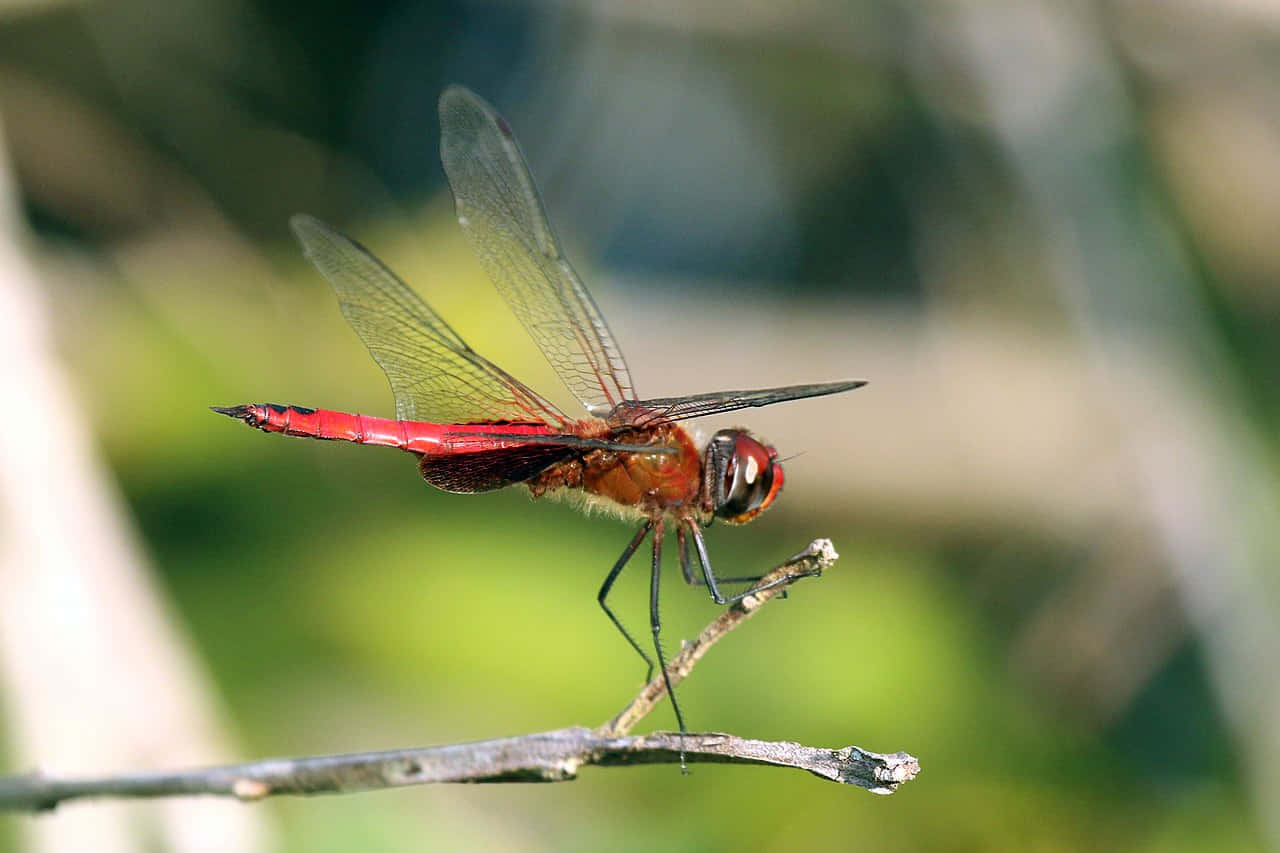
{"points": [[501, 213], [643, 412], [434, 375]]}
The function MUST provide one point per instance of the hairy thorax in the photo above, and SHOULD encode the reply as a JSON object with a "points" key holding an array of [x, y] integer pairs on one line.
{"points": [[632, 484]]}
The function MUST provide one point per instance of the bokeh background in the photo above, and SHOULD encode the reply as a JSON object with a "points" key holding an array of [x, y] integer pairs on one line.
{"points": [[1045, 231]]}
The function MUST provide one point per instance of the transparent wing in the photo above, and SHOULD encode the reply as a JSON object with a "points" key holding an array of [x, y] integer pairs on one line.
{"points": [[434, 375], [501, 212], [643, 412]]}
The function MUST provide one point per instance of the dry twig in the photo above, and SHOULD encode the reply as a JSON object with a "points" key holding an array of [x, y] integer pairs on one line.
{"points": [[553, 756]]}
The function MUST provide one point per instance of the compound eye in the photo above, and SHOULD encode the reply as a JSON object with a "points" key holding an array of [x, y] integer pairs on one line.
{"points": [[749, 480]]}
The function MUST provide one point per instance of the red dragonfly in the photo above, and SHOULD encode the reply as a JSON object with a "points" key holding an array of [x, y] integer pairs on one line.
{"points": [[474, 427]]}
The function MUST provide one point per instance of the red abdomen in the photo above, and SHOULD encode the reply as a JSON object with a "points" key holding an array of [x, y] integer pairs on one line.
{"points": [[455, 457], [414, 436]]}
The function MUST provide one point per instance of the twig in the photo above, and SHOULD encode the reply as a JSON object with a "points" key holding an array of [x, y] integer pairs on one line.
{"points": [[810, 562], [553, 756]]}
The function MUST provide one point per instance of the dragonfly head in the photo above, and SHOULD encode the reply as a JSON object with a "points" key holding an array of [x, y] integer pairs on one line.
{"points": [[743, 475]]}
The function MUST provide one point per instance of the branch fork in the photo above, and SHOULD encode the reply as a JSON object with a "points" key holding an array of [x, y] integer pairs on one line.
{"points": [[554, 756]]}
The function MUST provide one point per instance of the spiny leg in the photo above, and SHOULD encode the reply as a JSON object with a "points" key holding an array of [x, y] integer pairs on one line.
{"points": [[608, 585], [686, 567], [709, 577], [655, 623], [682, 545]]}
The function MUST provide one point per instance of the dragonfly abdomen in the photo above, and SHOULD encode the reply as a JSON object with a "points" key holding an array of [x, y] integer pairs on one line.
{"points": [[413, 436]]}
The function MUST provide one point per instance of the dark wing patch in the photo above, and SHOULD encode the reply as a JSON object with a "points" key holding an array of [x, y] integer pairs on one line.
{"points": [[486, 470]]}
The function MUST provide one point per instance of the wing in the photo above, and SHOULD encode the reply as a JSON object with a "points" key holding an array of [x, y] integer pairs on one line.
{"points": [[644, 412], [501, 212], [485, 470], [434, 375]]}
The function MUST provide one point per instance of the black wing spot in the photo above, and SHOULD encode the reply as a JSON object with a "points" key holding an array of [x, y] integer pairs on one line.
{"points": [[486, 470]]}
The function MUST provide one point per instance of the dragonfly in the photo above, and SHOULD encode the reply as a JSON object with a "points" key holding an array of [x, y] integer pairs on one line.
{"points": [[474, 427]]}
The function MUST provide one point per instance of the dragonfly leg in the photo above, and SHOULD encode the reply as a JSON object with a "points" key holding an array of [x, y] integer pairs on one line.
{"points": [[682, 545], [686, 567], [712, 582], [655, 623], [608, 585]]}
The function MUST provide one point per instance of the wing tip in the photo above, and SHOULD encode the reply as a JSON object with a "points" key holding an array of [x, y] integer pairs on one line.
{"points": [[302, 220], [456, 90], [458, 97], [305, 226]]}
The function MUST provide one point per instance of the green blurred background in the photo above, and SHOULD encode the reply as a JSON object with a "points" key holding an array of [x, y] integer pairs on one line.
{"points": [[1044, 231]]}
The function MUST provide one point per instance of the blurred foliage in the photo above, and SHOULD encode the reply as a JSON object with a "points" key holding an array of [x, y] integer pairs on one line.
{"points": [[836, 157]]}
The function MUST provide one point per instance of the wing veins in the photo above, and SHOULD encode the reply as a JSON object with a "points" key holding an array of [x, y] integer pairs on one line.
{"points": [[502, 214], [644, 412], [433, 373]]}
